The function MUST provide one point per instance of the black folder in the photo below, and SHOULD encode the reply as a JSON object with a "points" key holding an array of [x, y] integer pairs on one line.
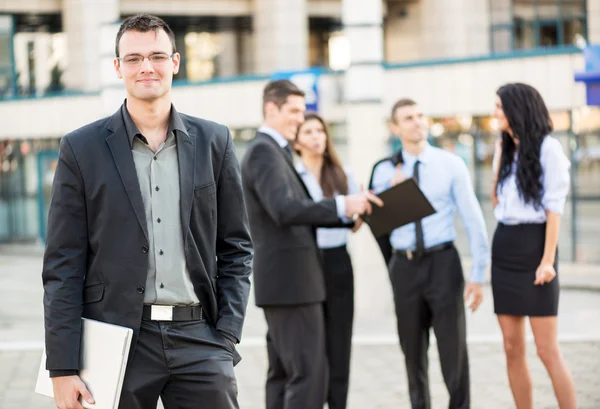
{"points": [[402, 204]]}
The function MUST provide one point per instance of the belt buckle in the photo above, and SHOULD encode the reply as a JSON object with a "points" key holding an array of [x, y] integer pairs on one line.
{"points": [[161, 312], [409, 254]]}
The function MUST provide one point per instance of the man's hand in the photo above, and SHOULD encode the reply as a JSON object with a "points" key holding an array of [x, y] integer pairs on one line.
{"points": [[67, 390], [544, 273], [360, 204], [398, 176], [357, 224], [473, 295]]}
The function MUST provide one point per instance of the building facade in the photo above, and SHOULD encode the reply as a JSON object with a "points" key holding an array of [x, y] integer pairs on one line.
{"points": [[56, 75]]}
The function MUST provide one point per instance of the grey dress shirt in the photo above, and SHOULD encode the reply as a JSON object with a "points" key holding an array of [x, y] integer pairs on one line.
{"points": [[168, 281]]}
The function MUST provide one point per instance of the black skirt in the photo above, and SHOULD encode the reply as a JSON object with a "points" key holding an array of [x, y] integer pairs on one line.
{"points": [[516, 254]]}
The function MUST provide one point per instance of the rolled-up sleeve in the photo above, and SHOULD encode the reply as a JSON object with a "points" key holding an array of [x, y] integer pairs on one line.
{"points": [[556, 181]]}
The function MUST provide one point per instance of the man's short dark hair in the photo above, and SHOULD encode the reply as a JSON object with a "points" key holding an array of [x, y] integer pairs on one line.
{"points": [[278, 92], [404, 102], [144, 23]]}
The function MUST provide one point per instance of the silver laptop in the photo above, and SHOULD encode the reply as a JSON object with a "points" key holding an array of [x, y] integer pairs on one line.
{"points": [[104, 353]]}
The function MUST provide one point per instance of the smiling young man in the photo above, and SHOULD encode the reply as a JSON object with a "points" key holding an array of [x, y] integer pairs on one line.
{"points": [[147, 215], [288, 272]]}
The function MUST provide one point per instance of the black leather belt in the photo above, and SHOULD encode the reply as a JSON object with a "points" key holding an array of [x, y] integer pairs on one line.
{"points": [[172, 313], [410, 254]]}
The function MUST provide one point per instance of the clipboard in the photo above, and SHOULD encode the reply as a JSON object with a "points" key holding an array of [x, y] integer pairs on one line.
{"points": [[402, 204]]}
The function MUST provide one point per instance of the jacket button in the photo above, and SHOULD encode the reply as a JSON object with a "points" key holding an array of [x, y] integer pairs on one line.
{"points": [[140, 290], [144, 249]]}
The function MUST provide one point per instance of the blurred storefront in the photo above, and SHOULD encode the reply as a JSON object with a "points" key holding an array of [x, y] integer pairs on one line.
{"points": [[26, 173]]}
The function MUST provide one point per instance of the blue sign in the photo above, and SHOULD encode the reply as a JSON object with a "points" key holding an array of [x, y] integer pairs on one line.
{"points": [[591, 76], [307, 81]]}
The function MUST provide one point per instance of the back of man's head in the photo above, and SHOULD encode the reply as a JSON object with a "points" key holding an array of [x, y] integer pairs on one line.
{"points": [[278, 92], [144, 23]]}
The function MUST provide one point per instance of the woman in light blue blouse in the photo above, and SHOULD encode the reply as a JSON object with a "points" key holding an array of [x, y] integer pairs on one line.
{"points": [[531, 187], [324, 177]]}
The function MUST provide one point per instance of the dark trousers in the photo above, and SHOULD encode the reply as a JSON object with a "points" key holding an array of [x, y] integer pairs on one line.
{"points": [[188, 364], [339, 314], [297, 377], [428, 292]]}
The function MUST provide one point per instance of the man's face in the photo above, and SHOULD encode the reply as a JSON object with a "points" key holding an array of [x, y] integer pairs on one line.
{"points": [[410, 124], [288, 118], [146, 79]]}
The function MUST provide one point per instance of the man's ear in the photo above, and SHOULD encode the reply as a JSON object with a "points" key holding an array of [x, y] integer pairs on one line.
{"points": [[271, 108], [176, 63], [117, 65]]}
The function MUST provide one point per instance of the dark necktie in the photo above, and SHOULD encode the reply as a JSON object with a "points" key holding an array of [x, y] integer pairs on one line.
{"points": [[288, 150], [418, 226]]}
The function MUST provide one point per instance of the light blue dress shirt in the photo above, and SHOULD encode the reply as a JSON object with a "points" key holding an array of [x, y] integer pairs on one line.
{"points": [[327, 238], [445, 181], [340, 201], [511, 209]]}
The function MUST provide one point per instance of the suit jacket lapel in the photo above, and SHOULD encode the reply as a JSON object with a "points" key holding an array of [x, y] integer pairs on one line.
{"points": [[120, 149], [288, 160], [186, 154]]}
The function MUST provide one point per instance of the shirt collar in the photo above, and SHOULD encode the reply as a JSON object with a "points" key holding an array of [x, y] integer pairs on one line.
{"points": [[300, 168], [424, 157], [175, 123], [281, 141]]}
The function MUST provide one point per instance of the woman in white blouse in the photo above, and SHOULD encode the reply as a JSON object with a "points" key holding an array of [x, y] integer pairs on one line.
{"points": [[324, 177], [530, 190]]}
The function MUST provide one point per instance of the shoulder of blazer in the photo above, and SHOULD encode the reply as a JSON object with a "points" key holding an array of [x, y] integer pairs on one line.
{"points": [[88, 138], [204, 130], [97, 129], [261, 142]]}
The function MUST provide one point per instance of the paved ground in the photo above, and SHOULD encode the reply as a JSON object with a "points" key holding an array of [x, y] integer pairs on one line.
{"points": [[378, 377]]}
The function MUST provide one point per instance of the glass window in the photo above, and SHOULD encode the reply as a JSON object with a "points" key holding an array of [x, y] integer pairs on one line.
{"points": [[7, 80], [502, 39], [537, 23], [524, 34], [201, 49]]}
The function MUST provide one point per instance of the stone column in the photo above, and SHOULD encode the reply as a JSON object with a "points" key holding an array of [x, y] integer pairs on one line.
{"points": [[366, 131], [227, 60], [281, 35], [454, 29], [82, 22], [593, 16]]}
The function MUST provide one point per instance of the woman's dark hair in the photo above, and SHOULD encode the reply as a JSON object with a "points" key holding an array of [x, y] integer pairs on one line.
{"points": [[529, 122], [333, 178]]}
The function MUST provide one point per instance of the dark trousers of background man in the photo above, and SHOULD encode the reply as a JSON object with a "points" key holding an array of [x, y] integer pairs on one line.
{"points": [[428, 292], [297, 377]]}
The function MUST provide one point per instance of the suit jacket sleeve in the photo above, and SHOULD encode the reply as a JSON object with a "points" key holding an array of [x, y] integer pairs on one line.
{"points": [[276, 196], [234, 246], [384, 240], [64, 264]]}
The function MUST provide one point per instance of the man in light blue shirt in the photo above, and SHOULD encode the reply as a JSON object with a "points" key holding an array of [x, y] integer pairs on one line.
{"points": [[424, 266]]}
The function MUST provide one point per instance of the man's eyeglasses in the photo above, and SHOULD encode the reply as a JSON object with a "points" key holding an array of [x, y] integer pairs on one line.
{"points": [[135, 60]]}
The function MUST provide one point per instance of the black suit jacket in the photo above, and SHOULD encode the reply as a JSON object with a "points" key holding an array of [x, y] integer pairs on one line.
{"points": [[96, 261], [287, 263]]}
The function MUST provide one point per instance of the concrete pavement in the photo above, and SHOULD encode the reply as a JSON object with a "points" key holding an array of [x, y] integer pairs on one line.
{"points": [[378, 376]]}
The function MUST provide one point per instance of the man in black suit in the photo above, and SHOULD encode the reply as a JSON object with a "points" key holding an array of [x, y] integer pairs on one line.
{"points": [[148, 229], [288, 277]]}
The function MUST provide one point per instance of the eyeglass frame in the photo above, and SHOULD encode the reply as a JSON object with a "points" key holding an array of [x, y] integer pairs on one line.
{"points": [[122, 59]]}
